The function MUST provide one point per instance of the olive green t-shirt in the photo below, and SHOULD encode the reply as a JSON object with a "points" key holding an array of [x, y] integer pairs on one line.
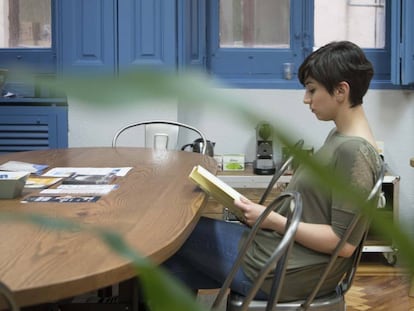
{"points": [[359, 163]]}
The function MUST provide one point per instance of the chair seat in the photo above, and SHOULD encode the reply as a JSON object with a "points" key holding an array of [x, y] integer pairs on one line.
{"points": [[331, 302]]}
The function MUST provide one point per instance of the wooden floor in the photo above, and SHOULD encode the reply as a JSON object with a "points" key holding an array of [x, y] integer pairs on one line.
{"points": [[380, 287]]}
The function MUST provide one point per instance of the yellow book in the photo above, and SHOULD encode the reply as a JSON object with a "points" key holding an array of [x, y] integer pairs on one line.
{"points": [[41, 182], [218, 189]]}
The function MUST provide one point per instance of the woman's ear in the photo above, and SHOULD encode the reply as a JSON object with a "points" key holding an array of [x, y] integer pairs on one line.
{"points": [[342, 91]]}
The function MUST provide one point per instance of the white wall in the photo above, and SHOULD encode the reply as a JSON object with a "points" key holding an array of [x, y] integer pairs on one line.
{"points": [[4, 24], [95, 125], [391, 114]]}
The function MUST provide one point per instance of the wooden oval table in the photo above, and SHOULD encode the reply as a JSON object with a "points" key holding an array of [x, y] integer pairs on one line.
{"points": [[154, 209], [411, 293]]}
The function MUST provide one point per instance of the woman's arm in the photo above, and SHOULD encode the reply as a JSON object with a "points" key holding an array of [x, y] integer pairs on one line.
{"points": [[318, 237]]}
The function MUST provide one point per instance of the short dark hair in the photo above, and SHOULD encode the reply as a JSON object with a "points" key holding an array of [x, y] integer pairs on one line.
{"points": [[337, 62]]}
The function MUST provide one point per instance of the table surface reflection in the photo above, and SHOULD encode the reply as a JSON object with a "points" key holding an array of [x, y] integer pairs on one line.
{"points": [[154, 209]]}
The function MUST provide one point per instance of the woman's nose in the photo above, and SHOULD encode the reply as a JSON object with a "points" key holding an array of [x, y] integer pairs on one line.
{"points": [[306, 100]]}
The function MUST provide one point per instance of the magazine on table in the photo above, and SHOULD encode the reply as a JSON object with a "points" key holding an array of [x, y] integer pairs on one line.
{"points": [[86, 179]]}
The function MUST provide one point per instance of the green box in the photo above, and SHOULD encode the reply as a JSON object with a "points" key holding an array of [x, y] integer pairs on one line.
{"points": [[233, 162], [12, 184]]}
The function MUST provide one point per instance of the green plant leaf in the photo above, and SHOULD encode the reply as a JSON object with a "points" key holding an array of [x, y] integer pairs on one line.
{"points": [[191, 89], [161, 290]]}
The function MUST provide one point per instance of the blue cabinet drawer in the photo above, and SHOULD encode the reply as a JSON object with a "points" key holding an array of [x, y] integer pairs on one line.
{"points": [[24, 128]]}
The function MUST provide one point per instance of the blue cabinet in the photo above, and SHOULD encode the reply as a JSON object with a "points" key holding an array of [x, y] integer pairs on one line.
{"points": [[109, 36], [33, 124]]}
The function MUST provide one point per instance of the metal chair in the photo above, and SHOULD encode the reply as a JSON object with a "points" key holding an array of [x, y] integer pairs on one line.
{"points": [[8, 297], [279, 255], [161, 134], [331, 302]]}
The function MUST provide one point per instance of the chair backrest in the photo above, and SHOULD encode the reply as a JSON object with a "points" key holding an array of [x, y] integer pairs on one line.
{"points": [[161, 134], [281, 170], [279, 256], [375, 194], [347, 281]]}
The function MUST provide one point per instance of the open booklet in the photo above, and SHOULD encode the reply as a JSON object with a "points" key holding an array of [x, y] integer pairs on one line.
{"points": [[218, 189]]}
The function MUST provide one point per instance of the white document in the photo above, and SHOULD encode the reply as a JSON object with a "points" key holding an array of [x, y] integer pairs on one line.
{"points": [[68, 171], [81, 189], [16, 166]]}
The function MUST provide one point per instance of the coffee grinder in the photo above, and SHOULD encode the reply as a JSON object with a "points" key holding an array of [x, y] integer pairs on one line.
{"points": [[264, 164]]}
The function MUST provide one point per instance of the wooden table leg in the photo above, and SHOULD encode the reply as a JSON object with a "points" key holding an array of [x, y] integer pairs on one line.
{"points": [[411, 292]]}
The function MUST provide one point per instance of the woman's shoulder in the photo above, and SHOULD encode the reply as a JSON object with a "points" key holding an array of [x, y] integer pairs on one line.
{"points": [[350, 148], [359, 152], [355, 143]]}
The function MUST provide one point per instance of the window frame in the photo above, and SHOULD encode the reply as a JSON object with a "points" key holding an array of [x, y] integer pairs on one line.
{"points": [[197, 41], [251, 67], [233, 61], [402, 41], [35, 60]]}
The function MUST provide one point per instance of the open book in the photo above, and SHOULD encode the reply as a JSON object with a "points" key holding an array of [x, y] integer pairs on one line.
{"points": [[218, 189]]}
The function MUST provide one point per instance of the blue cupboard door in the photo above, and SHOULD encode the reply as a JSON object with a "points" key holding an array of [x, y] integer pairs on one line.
{"points": [[407, 75], [402, 38], [147, 34], [192, 34], [88, 42]]}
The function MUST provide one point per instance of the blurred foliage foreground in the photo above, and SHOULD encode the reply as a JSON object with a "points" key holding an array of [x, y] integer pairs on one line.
{"points": [[163, 292]]}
